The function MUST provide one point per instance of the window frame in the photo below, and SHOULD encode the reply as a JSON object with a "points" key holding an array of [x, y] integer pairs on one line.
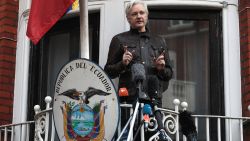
{"points": [[216, 84]]}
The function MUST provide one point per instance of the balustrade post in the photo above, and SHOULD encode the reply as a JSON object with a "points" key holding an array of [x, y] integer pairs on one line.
{"points": [[176, 107], [38, 129], [5, 134], [37, 109], [48, 100], [184, 106], [42, 120]]}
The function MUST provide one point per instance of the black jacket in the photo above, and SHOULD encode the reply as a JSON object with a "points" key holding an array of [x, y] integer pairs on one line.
{"points": [[145, 48]]}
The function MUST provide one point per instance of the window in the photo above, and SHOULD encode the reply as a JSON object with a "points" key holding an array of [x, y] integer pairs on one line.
{"points": [[195, 48], [179, 24]]}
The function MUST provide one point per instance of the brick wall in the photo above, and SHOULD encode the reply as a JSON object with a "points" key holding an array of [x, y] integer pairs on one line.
{"points": [[8, 32], [244, 14], [245, 56]]}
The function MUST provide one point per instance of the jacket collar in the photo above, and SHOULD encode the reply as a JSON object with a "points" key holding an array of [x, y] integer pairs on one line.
{"points": [[141, 34]]}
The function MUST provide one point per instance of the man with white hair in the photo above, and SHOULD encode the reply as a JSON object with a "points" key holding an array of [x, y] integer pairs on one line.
{"points": [[138, 45]]}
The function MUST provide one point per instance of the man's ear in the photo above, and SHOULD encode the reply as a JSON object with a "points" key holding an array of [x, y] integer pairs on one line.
{"points": [[128, 19]]}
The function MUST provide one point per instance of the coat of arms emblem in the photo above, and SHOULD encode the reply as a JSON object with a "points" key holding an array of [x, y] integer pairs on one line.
{"points": [[85, 103]]}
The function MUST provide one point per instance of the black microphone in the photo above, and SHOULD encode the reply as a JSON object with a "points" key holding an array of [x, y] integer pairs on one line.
{"points": [[138, 76], [153, 86], [154, 93], [188, 127], [138, 73]]}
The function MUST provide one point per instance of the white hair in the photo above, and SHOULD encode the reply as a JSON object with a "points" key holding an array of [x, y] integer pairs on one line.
{"points": [[134, 2]]}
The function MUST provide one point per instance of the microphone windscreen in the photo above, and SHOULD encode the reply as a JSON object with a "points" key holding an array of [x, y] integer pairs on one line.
{"points": [[123, 92], [147, 110], [153, 86], [138, 72], [187, 123]]}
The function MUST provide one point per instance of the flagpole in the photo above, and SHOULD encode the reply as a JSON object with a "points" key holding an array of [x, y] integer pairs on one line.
{"points": [[84, 29]]}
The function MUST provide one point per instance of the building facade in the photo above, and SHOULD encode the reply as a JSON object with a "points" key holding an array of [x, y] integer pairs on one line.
{"points": [[8, 40], [244, 45], [207, 40]]}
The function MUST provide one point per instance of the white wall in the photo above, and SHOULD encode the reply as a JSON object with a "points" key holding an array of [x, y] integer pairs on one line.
{"points": [[114, 23], [22, 64], [232, 77]]}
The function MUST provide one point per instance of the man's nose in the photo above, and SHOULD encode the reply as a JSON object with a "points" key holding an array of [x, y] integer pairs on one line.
{"points": [[138, 15]]}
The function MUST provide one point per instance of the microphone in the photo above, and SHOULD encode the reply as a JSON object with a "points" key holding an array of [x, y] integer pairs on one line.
{"points": [[147, 110], [138, 73], [153, 86], [188, 127], [123, 92], [138, 76]]}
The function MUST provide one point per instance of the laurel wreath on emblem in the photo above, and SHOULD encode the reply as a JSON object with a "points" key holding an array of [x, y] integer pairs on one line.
{"points": [[80, 121]]}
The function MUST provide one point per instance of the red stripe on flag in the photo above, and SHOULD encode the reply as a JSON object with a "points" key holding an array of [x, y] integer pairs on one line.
{"points": [[43, 15]]}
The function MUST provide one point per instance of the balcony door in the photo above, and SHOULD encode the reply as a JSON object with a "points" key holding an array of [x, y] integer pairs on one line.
{"points": [[195, 47]]}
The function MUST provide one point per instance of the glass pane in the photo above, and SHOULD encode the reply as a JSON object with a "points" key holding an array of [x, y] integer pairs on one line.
{"points": [[63, 46], [188, 43], [58, 56]]}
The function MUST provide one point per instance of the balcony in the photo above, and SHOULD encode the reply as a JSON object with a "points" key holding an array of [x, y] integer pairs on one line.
{"points": [[42, 128]]}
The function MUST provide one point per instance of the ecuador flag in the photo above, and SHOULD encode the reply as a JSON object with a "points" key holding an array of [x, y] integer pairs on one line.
{"points": [[43, 15]]}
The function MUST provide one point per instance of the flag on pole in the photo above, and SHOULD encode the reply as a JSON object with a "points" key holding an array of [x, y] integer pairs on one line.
{"points": [[43, 15]]}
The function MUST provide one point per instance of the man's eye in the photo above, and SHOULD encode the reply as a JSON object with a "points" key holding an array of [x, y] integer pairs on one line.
{"points": [[134, 14], [142, 13]]}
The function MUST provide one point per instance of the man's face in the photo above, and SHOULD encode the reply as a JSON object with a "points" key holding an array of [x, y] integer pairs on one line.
{"points": [[138, 17]]}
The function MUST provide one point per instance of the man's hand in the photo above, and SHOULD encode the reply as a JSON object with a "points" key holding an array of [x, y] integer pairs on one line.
{"points": [[160, 62], [127, 57]]}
